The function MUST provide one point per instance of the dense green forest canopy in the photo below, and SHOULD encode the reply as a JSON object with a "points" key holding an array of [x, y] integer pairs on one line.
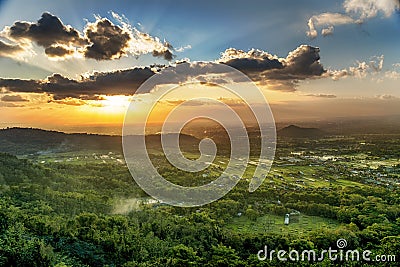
{"points": [[91, 213]]}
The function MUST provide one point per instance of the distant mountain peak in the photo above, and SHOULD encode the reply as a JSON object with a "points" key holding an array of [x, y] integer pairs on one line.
{"points": [[292, 126], [294, 131]]}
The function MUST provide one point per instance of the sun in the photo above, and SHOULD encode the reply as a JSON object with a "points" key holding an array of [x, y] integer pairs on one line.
{"points": [[115, 104]]}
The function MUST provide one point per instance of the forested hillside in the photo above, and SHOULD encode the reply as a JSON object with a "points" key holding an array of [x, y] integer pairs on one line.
{"points": [[93, 214]]}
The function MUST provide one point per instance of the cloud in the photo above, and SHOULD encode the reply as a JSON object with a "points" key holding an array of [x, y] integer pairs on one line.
{"points": [[331, 19], [13, 98], [9, 50], [322, 95], [143, 43], [303, 62], [92, 86], [338, 74], [366, 9], [107, 41], [327, 31], [312, 32], [251, 61], [100, 40], [19, 85], [282, 74], [386, 97], [360, 70], [191, 102], [394, 75], [118, 82], [48, 30], [89, 87], [202, 102], [355, 11], [58, 51], [183, 48], [10, 105], [166, 54], [232, 102], [278, 73], [69, 101], [328, 20]]}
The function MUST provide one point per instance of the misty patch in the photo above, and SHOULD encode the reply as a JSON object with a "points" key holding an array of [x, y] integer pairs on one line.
{"points": [[127, 205]]}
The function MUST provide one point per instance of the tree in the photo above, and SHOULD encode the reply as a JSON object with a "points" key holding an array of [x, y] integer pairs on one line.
{"points": [[181, 255], [252, 214], [222, 256]]}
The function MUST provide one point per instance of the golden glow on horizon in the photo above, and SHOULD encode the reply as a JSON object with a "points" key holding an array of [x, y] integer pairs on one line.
{"points": [[114, 104], [110, 110], [42, 112]]}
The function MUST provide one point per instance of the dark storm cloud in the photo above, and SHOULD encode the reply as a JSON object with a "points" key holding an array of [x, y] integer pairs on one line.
{"points": [[108, 41], [9, 49], [279, 73], [48, 30], [121, 82]]}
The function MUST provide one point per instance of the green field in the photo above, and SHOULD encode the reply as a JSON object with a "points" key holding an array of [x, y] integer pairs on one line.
{"points": [[275, 224]]}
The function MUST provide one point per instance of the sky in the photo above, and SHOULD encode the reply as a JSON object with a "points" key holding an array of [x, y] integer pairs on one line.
{"points": [[76, 64]]}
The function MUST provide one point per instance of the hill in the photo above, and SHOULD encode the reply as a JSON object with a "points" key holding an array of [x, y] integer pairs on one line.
{"points": [[23, 141], [293, 131]]}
